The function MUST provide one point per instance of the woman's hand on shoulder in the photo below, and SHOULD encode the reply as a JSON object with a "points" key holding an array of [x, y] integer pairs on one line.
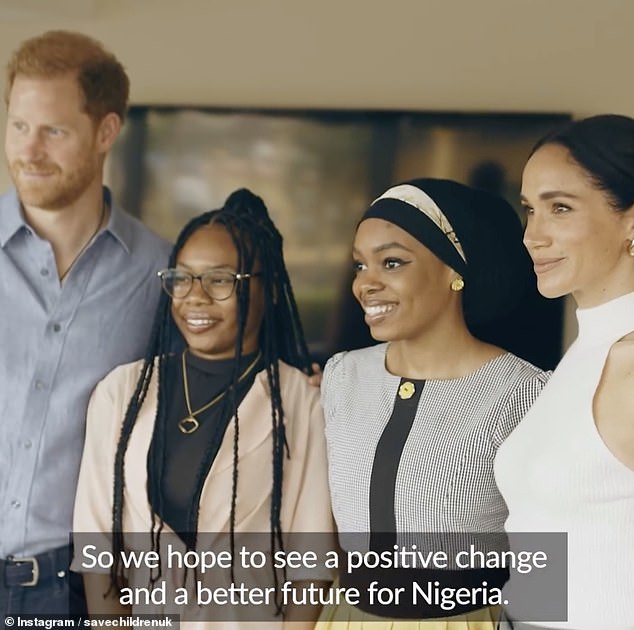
{"points": [[315, 378]]}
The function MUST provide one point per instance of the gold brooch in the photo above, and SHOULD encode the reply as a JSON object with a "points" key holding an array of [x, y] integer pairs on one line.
{"points": [[406, 390]]}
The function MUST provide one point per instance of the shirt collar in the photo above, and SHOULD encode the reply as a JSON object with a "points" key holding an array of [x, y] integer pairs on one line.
{"points": [[119, 223], [12, 219]]}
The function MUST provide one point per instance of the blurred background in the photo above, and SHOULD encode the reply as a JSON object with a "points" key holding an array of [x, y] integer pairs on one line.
{"points": [[318, 171], [318, 107]]}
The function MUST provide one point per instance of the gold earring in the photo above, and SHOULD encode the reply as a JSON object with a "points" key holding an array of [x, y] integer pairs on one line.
{"points": [[630, 248], [457, 284]]}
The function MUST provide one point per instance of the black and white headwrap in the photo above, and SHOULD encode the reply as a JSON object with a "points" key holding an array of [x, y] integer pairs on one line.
{"points": [[475, 233]]}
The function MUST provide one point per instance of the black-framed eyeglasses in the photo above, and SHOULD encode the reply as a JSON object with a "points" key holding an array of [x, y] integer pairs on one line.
{"points": [[218, 285]]}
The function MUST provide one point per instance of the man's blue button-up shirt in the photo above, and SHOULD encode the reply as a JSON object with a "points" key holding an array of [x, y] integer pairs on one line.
{"points": [[56, 342]]}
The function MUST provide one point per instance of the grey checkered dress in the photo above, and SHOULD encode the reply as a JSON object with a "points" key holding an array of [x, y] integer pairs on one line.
{"points": [[444, 474]]}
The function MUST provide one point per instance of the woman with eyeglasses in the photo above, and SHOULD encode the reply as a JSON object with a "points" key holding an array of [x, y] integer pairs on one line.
{"points": [[222, 436]]}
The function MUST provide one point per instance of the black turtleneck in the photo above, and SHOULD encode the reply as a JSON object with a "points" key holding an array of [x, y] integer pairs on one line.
{"points": [[189, 457]]}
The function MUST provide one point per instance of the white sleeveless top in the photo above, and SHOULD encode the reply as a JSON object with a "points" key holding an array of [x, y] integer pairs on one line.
{"points": [[557, 475]]}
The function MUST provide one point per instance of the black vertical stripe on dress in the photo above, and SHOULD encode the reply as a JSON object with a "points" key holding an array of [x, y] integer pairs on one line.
{"points": [[387, 458]]}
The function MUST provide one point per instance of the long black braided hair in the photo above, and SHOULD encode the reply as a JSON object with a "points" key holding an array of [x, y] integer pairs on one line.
{"points": [[281, 337]]}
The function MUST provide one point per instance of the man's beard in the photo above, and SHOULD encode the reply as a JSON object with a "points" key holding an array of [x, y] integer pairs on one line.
{"points": [[58, 189]]}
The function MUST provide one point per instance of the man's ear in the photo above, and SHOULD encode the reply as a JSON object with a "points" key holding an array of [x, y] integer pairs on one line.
{"points": [[107, 131]]}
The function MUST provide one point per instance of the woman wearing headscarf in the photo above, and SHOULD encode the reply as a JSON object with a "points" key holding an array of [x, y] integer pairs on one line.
{"points": [[569, 467], [188, 451], [416, 421]]}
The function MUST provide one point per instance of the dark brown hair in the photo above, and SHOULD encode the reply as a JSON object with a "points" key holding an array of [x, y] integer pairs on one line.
{"points": [[603, 146]]}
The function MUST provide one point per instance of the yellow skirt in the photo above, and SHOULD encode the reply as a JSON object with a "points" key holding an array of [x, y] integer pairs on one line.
{"points": [[346, 617]]}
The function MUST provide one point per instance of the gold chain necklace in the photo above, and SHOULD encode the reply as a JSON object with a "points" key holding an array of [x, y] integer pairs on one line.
{"points": [[190, 423]]}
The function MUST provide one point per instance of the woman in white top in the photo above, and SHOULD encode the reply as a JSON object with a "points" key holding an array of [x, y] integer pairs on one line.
{"points": [[569, 466]]}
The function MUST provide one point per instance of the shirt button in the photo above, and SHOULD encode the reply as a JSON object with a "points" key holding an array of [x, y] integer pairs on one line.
{"points": [[39, 385], [15, 504], [28, 444], [57, 327], [44, 272]]}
